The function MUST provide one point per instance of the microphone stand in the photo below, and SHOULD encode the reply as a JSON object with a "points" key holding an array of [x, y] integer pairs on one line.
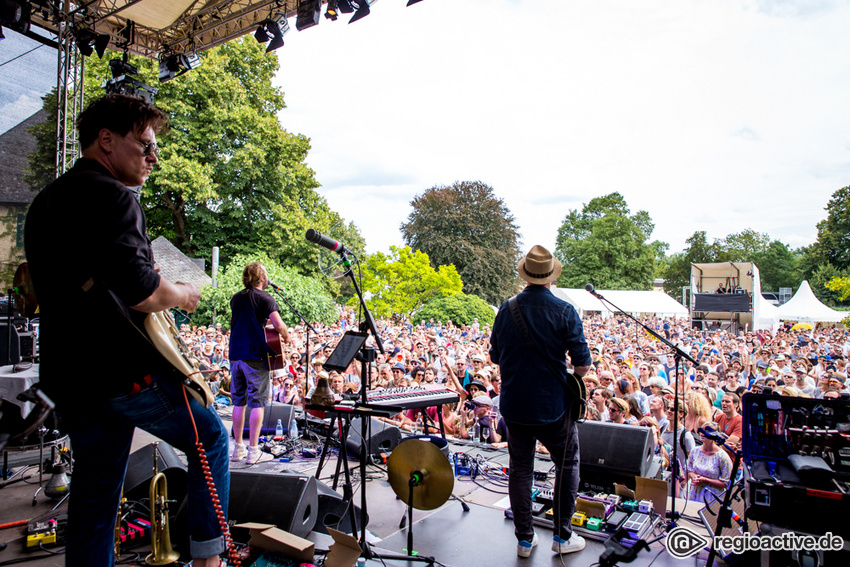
{"points": [[306, 342], [678, 355]]}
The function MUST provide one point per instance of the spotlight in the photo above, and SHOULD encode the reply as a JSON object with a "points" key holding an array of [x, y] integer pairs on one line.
{"points": [[176, 64], [15, 15], [88, 40], [412, 2], [308, 15], [123, 83], [274, 30], [345, 6], [332, 13], [363, 10]]}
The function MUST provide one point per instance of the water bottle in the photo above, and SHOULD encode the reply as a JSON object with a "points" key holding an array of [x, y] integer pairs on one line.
{"points": [[293, 429], [476, 431], [361, 562], [278, 430]]}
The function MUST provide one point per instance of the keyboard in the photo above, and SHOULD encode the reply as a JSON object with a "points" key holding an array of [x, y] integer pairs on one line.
{"points": [[412, 398]]}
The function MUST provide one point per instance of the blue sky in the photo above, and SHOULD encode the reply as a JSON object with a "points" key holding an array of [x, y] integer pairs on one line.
{"points": [[713, 115]]}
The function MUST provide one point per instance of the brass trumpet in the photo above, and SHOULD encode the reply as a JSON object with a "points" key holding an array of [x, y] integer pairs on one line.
{"points": [[161, 551]]}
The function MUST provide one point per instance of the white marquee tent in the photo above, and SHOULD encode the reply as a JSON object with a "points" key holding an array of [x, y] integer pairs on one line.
{"points": [[655, 302], [804, 306]]}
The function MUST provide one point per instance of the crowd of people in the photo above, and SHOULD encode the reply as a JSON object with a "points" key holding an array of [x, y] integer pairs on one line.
{"points": [[631, 381]]}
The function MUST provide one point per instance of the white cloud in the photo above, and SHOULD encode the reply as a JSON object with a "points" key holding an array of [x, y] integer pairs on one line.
{"points": [[710, 116]]}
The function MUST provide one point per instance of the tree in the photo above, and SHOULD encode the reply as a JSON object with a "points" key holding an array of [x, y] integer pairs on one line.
{"points": [[403, 281], [229, 174], [745, 245], [779, 266], [698, 251], [460, 309], [828, 257], [607, 246], [305, 294], [467, 226]]}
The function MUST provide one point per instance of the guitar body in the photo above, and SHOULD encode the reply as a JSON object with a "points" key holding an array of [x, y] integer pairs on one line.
{"points": [[165, 336], [276, 360]]}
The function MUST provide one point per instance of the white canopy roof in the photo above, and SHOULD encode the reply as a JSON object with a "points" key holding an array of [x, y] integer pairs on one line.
{"points": [[804, 306], [630, 301]]}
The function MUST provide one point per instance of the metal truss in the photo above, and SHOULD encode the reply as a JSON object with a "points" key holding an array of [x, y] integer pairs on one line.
{"points": [[200, 27], [69, 98]]}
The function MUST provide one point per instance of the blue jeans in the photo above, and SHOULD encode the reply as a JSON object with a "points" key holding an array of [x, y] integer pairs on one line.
{"points": [[101, 435], [561, 439]]}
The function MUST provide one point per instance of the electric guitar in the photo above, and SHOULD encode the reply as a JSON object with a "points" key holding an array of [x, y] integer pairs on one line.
{"points": [[163, 333]]}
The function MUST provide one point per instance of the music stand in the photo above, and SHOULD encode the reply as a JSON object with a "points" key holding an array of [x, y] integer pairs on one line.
{"points": [[347, 348]]}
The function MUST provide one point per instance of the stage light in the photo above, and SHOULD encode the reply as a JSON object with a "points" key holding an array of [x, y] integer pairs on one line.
{"points": [[412, 2], [308, 15], [332, 12], [88, 41], [272, 30], [345, 6], [122, 81], [176, 64], [363, 10], [15, 15]]}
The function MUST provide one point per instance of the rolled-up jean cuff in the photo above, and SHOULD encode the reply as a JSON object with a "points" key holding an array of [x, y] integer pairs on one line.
{"points": [[204, 549]]}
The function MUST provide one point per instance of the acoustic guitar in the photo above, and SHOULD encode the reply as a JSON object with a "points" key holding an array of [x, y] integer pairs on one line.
{"points": [[163, 333], [276, 358]]}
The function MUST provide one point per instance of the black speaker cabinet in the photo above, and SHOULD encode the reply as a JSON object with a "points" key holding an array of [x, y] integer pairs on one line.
{"points": [[137, 482], [382, 438], [4, 345], [613, 452], [288, 501], [274, 412], [333, 511]]}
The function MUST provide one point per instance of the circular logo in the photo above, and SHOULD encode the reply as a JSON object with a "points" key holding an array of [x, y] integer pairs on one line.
{"points": [[683, 543]]}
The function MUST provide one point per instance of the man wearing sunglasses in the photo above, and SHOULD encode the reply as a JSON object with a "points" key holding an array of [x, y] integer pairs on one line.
{"points": [[106, 283]]}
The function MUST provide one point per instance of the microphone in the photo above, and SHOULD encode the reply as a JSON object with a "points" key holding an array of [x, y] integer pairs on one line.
{"points": [[274, 286], [590, 289], [317, 237]]}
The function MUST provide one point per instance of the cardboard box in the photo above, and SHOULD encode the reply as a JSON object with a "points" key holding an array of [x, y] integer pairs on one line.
{"points": [[271, 538]]}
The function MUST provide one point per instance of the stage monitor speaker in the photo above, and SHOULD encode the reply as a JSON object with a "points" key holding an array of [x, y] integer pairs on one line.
{"points": [[612, 452], [137, 482], [4, 345], [382, 437], [333, 511], [288, 501], [274, 412]]}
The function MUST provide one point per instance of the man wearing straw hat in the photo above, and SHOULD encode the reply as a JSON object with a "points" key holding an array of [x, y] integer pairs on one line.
{"points": [[536, 400]]}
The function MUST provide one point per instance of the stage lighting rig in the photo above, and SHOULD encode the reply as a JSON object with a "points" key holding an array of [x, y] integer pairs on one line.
{"points": [[173, 65], [89, 40], [15, 15], [272, 30], [122, 81], [309, 13], [363, 9], [412, 2], [332, 12]]}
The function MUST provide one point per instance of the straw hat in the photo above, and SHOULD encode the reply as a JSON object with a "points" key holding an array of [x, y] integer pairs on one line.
{"points": [[539, 267]]}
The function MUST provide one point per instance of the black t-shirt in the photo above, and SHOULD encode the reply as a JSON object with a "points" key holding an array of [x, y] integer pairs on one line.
{"points": [[250, 309], [84, 227]]}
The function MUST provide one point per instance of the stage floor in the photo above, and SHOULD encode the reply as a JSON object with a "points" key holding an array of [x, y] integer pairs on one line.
{"points": [[482, 536]]}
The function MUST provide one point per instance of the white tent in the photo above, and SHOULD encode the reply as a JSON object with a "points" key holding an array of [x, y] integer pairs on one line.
{"points": [[656, 302], [804, 306], [768, 316]]}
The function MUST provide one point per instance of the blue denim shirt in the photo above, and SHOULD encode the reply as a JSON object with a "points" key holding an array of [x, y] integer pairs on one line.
{"points": [[530, 394]]}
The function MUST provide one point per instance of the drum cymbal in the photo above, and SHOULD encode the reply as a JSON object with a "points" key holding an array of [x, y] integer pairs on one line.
{"points": [[420, 455], [25, 301]]}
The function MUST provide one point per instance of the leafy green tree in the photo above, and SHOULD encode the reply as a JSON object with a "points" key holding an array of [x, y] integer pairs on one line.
{"points": [[605, 245], [460, 309], [698, 251], [745, 245], [306, 294], [403, 281], [779, 266], [828, 257], [468, 226], [229, 174]]}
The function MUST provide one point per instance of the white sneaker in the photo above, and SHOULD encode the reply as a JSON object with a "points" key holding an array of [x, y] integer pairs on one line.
{"points": [[255, 455], [239, 453], [523, 548], [575, 543]]}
